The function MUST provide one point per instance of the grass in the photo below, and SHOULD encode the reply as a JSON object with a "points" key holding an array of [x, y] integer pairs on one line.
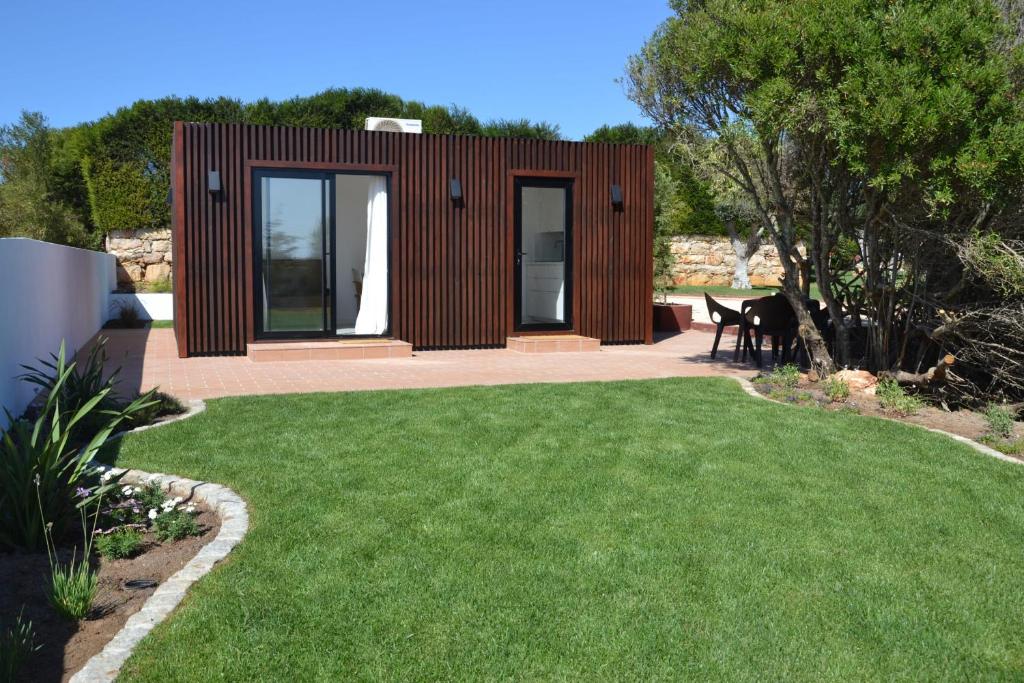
{"points": [[722, 290], [161, 324], [632, 530]]}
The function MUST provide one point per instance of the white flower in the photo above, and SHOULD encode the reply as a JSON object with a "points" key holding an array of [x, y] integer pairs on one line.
{"points": [[190, 508], [107, 476], [152, 513], [127, 491]]}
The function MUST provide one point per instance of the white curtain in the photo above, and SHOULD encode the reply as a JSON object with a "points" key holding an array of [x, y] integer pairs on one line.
{"points": [[373, 305]]}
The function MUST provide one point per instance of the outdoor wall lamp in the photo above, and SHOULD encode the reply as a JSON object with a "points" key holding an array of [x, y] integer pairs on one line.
{"points": [[617, 197], [455, 188], [213, 182]]}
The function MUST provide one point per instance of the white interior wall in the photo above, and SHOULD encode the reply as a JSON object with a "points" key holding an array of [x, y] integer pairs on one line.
{"points": [[48, 293], [351, 195]]}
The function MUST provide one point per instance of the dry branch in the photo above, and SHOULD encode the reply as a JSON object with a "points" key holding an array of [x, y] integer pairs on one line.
{"points": [[933, 375]]}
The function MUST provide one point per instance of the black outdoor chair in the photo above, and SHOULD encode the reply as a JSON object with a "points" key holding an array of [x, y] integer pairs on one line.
{"points": [[727, 317], [769, 316]]}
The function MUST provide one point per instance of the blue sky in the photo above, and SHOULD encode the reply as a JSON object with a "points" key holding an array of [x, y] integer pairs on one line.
{"points": [[555, 60]]}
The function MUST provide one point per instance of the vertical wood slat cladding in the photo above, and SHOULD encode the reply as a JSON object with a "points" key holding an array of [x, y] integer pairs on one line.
{"points": [[451, 264]]}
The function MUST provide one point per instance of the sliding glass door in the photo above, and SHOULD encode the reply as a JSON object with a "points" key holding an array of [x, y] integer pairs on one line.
{"points": [[321, 261], [293, 217]]}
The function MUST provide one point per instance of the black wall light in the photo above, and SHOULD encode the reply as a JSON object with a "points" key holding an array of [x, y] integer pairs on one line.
{"points": [[455, 187], [617, 197], [213, 182]]}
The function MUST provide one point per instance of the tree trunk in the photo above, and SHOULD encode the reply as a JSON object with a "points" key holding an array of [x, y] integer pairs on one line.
{"points": [[740, 275], [744, 248], [821, 361]]}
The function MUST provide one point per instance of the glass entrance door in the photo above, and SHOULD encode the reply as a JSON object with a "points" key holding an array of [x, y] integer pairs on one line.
{"points": [[543, 257], [291, 283]]}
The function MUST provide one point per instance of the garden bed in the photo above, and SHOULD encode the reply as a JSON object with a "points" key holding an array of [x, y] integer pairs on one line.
{"points": [[966, 423], [67, 646]]}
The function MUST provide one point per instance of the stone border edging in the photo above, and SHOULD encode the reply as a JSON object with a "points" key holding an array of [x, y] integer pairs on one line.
{"points": [[234, 523], [981, 448]]}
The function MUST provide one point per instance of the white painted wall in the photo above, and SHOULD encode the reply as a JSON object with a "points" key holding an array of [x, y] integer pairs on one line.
{"points": [[151, 306], [48, 292]]}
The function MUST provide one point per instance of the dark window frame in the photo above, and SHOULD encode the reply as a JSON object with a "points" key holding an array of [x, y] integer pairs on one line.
{"points": [[568, 184], [329, 244]]}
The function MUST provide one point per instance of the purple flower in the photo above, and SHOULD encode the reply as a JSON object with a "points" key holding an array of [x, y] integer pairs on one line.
{"points": [[82, 492]]}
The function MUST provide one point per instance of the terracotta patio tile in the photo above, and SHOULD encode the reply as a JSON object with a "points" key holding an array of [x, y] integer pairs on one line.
{"points": [[149, 358]]}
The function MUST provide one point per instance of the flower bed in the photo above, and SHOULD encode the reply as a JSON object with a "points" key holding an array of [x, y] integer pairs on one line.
{"points": [[170, 531], [866, 396]]}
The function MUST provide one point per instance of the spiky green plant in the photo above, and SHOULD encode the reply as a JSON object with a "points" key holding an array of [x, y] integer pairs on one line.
{"points": [[52, 456]]}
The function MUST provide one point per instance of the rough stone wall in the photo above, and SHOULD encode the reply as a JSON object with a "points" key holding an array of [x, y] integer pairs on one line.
{"points": [[142, 255], [702, 260]]}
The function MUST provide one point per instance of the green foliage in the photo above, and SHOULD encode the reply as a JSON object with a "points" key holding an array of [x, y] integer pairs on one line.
{"points": [[1001, 421], [34, 199], [521, 128], [162, 286], [71, 186], [72, 589], [122, 195], [119, 544], [996, 263], [836, 389], [175, 525], [17, 643], [45, 461], [126, 316], [786, 377], [160, 405], [892, 397], [626, 134]]}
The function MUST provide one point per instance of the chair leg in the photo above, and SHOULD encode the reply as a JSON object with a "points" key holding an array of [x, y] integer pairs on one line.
{"points": [[718, 338]]}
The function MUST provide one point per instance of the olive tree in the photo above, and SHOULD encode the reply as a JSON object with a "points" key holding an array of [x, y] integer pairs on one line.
{"points": [[847, 121]]}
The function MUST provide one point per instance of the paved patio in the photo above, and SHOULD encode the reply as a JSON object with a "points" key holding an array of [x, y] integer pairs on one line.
{"points": [[149, 358]]}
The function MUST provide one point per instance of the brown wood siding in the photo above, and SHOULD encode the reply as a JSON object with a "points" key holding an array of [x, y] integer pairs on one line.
{"points": [[451, 265]]}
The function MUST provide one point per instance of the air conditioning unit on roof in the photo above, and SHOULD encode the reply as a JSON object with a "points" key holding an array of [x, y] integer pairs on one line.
{"points": [[388, 125]]}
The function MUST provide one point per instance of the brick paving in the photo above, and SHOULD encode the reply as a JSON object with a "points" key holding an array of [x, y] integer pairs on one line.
{"points": [[149, 358]]}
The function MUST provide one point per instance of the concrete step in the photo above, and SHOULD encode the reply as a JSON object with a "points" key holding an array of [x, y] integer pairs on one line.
{"points": [[328, 349], [552, 343]]}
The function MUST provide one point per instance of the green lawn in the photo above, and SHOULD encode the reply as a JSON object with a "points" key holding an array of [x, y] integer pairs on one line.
{"points": [[633, 530], [722, 290]]}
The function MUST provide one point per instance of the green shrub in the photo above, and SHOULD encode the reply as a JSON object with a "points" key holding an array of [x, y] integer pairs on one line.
{"points": [[119, 543], [17, 642], [126, 317], [162, 405], [175, 524], [836, 389], [1000, 421], [45, 464], [162, 286], [892, 397], [787, 377]]}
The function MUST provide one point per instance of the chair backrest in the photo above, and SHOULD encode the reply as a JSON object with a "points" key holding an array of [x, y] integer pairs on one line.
{"points": [[729, 315], [772, 314]]}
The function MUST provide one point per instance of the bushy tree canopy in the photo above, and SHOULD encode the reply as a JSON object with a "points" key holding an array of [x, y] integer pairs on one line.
{"points": [[849, 120], [73, 185]]}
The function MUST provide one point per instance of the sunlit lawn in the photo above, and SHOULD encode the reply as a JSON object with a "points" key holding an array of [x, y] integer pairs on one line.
{"points": [[632, 530]]}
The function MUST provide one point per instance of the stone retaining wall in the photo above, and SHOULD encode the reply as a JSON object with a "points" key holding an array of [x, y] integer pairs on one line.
{"points": [[142, 255], [704, 260]]}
